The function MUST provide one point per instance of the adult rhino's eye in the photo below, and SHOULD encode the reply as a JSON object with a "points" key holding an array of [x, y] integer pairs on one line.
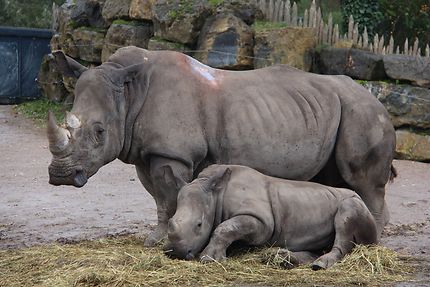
{"points": [[199, 224], [99, 132]]}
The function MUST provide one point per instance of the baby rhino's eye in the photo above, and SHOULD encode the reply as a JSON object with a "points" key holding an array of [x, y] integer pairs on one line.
{"points": [[199, 224]]}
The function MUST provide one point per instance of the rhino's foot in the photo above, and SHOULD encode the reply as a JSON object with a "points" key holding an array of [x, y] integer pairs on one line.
{"points": [[325, 261], [156, 237], [212, 255], [291, 259]]}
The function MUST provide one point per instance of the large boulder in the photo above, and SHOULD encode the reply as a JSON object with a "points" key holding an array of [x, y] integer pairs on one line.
{"points": [[50, 81], [248, 11], [141, 9], [84, 43], [180, 20], [412, 146], [358, 64], [407, 105], [88, 13], [410, 68], [226, 42], [116, 9], [61, 16], [290, 45], [126, 33]]}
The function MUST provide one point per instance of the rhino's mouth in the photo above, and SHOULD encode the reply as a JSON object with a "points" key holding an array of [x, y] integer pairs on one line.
{"points": [[72, 176], [80, 178]]}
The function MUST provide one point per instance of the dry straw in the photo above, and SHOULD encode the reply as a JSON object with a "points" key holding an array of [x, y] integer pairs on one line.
{"points": [[125, 262]]}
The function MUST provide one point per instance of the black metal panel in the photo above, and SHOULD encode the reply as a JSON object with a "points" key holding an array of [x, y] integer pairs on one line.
{"points": [[21, 53]]}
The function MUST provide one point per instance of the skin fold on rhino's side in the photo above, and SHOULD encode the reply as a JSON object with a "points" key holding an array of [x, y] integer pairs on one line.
{"points": [[163, 109]]}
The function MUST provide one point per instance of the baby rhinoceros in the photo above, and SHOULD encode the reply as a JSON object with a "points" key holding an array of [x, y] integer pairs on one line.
{"points": [[227, 203]]}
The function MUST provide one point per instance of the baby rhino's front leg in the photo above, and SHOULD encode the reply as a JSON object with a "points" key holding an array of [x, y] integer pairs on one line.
{"points": [[242, 227]]}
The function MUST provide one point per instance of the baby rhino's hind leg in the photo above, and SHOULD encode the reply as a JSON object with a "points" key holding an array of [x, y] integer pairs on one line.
{"points": [[353, 224]]}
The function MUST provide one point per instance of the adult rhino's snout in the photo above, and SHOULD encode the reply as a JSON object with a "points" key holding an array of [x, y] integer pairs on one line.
{"points": [[77, 177]]}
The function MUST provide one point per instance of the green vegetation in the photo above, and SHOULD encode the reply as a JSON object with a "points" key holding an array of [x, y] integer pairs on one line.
{"points": [[365, 12], [183, 7], [28, 13], [38, 110], [266, 25], [215, 3], [128, 22], [175, 45], [406, 19]]}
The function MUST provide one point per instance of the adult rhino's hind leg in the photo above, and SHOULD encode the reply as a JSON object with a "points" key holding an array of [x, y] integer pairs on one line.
{"points": [[364, 153], [353, 224]]}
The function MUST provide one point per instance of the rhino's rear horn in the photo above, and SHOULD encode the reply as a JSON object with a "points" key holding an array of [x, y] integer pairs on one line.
{"points": [[58, 137]]}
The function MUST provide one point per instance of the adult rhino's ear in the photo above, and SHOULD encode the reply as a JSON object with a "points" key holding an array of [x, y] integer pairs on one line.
{"points": [[171, 179], [68, 66], [219, 181], [127, 74]]}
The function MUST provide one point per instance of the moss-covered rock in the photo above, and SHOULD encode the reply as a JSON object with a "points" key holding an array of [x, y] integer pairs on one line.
{"points": [[180, 20], [141, 9], [123, 33], [50, 81], [412, 146], [288, 45], [157, 44]]}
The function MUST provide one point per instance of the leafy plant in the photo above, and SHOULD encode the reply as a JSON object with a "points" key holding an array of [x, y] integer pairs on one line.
{"points": [[29, 13], [38, 110], [406, 19], [365, 12]]}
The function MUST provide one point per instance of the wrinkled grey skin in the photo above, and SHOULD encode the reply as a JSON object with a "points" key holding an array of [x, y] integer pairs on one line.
{"points": [[163, 109], [227, 203]]}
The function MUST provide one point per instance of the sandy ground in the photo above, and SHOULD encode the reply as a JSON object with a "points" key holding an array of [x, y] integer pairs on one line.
{"points": [[114, 202]]}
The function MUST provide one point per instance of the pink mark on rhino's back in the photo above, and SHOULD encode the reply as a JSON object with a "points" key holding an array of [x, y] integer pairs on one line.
{"points": [[204, 73]]}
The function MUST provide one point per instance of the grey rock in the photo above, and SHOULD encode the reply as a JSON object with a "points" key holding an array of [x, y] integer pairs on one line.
{"points": [[408, 105], [116, 9], [410, 68], [355, 63], [226, 42], [89, 13], [248, 11]]}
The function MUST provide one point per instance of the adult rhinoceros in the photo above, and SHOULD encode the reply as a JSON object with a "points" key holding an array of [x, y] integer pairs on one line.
{"points": [[156, 109]]}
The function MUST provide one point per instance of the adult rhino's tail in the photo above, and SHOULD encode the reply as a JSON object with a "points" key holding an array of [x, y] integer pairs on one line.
{"points": [[393, 173]]}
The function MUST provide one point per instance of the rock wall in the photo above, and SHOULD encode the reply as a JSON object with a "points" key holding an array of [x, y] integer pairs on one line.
{"points": [[409, 109], [219, 33], [230, 34]]}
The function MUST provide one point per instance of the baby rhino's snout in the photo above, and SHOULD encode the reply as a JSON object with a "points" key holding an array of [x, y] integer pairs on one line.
{"points": [[176, 246]]}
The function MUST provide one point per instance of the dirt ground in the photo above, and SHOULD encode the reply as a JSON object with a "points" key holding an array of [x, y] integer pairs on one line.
{"points": [[114, 202]]}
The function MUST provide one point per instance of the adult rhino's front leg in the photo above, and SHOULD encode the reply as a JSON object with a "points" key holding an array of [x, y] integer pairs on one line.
{"points": [[163, 180]]}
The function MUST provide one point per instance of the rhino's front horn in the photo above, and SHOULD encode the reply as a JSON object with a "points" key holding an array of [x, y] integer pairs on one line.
{"points": [[58, 137]]}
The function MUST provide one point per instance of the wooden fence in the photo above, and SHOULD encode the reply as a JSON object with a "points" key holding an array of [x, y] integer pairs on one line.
{"points": [[329, 33]]}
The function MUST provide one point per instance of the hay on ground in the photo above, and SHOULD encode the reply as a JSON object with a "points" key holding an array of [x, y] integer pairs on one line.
{"points": [[125, 262]]}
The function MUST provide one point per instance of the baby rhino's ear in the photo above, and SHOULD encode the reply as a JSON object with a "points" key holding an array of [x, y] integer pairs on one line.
{"points": [[170, 178], [219, 180]]}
